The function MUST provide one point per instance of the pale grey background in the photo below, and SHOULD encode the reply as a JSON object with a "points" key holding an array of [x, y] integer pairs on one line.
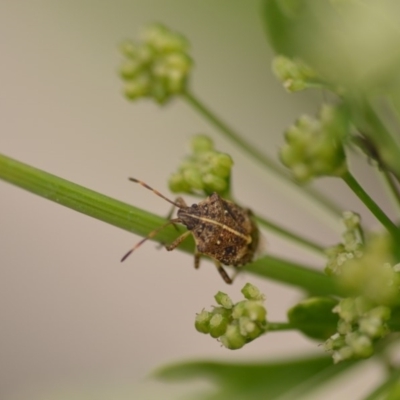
{"points": [[72, 318]]}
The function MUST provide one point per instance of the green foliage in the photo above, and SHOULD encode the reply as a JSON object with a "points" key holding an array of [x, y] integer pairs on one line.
{"points": [[314, 317], [254, 381]]}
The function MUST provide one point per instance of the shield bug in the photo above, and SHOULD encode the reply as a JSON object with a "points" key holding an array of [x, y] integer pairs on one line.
{"points": [[221, 229]]}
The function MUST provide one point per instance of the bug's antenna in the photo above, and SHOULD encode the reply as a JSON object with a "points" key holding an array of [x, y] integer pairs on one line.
{"points": [[149, 236], [155, 192]]}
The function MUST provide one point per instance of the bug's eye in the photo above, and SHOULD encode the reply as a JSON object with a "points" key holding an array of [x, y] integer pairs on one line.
{"points": [[195, 206]]}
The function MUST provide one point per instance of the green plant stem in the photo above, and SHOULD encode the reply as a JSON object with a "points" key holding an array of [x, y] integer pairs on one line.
{"points": [[291, 236], [294, 274], [137, 221], [392, 381], [279, 326], [256, 154], [391, 184], [370, 204]]}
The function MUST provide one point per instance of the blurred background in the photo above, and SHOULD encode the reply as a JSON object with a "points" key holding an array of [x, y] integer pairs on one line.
{"points": [[74, 322]]}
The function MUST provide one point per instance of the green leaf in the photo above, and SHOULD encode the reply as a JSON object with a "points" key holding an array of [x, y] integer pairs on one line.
{"points": [[314, 317], [256, 380]]}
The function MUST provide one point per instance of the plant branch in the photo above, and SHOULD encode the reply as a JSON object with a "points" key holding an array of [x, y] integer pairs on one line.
{"points": [[371, 205], [137, 221], [391, 184], [291, 236], [256, 154], [279, 326]]}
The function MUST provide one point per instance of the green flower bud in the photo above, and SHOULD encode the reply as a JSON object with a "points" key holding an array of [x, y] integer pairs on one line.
{"points": [[193, 178], [344, 327], [344, 353], [178, 184], [218, 325], [335, 342], [251, 309], [232, 339], [137, 88], [201, 144], [372, 327], [202, 322], [251, 292], [351, 248], [347, 310], [162, 58], [214, 183], [205, 170], [294, 75], [224, 300], [164, 40], [249, 329], [360, 344], [372, 275], [129, 69], [222, 165], [313, 146]]}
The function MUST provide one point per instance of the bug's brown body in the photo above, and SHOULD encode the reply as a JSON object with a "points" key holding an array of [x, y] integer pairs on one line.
{"points": [[221, 229]]}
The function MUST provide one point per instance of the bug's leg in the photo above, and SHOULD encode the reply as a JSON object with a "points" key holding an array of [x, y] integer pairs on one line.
{"points": [[179, 201], [223, 273], [178, 241], [197, 257], [149, 236]]}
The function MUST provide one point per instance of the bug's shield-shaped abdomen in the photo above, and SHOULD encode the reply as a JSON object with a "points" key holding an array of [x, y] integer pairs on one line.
{"points": [[222, 230]]}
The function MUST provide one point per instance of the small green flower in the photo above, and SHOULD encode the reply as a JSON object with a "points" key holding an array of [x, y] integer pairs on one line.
{"points": [[158, 67], [250, 292], [205, 171], [372, 275], [233, 339], [351, 247], [235, 324], [294, 74], [218, 325], [224, 300], [314, 148], [202, 322]]}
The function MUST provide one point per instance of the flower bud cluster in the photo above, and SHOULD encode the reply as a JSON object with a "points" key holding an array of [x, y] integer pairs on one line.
{"points": [[204, 171], [350, 248], [361, 323], [313, 146], [375, 282], [374, 275], [294, 74], [235, 324], [158, 67]]}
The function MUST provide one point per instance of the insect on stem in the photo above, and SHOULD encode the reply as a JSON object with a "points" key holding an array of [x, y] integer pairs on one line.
{"points": [[221, 229]]}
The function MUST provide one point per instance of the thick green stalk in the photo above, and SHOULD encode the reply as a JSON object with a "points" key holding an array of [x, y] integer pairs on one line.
{"points": [[279, 326], [371, 205], [137, 221], [391, 382], [257, 155], [391, 184]]}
